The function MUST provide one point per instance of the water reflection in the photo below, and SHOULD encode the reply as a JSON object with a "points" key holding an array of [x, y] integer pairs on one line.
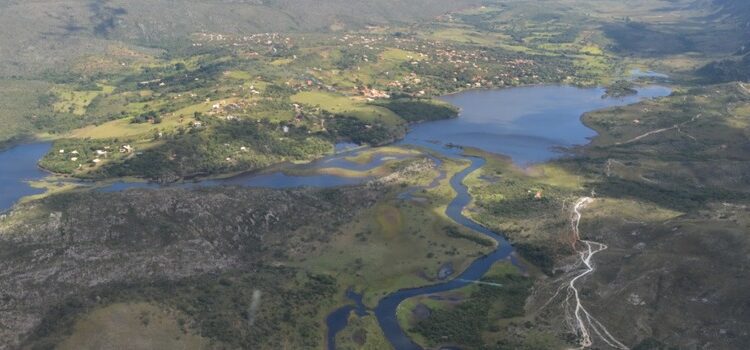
{"points": [[18, 165], [528, 124]]}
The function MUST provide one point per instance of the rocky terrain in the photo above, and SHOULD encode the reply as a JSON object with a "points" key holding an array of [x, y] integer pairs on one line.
{"points": [[672, 208], [65, 245]]}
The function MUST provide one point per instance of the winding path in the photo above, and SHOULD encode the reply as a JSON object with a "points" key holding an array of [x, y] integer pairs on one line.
{"points": [[577, 316]]}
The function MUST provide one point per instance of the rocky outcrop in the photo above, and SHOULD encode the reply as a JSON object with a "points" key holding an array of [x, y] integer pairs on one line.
{"points": [[63, 245]]}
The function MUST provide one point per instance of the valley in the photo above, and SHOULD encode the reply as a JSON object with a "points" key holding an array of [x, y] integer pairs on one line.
{"points": [[287, 175]]}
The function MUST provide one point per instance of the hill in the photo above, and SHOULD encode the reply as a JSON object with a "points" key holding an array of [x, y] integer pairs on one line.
{"points": [[65, 30], [737, 66]]}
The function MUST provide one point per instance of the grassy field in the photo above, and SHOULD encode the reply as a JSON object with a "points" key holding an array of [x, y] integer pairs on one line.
{"points": [[19, 101], [125, 129], [366, 156], [649, 143], [139, 325], [362, 333], [338, 104], [468, 36], [363, 157], [76, 102], [376, 254]]}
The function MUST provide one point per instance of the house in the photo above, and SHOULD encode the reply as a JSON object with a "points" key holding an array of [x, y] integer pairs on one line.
{"points": [[101, 152], [197, 124], [126, 149], [285, 129], [148, 82], [373, 93], [97, 160], [74, 159]]}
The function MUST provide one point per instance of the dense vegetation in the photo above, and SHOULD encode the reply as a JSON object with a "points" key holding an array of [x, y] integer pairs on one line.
{"points": [[727, 70], [22, 104], [217, 306], [357, 131], [465, 323], [621, 88], [233, 146], [420, 110]]}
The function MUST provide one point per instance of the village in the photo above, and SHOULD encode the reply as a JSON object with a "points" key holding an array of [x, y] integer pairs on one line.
{"points": [[300, 90]]}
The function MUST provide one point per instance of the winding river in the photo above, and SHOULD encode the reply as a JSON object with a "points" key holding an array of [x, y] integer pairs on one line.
{"points": [[529, 124], [385, 311]]}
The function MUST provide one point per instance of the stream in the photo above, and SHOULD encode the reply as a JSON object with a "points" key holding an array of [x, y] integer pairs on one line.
{"points": [[385, 311]]}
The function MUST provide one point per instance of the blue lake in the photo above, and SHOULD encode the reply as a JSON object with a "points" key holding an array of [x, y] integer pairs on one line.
{"points": [[18, 165], [528, 123]]}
